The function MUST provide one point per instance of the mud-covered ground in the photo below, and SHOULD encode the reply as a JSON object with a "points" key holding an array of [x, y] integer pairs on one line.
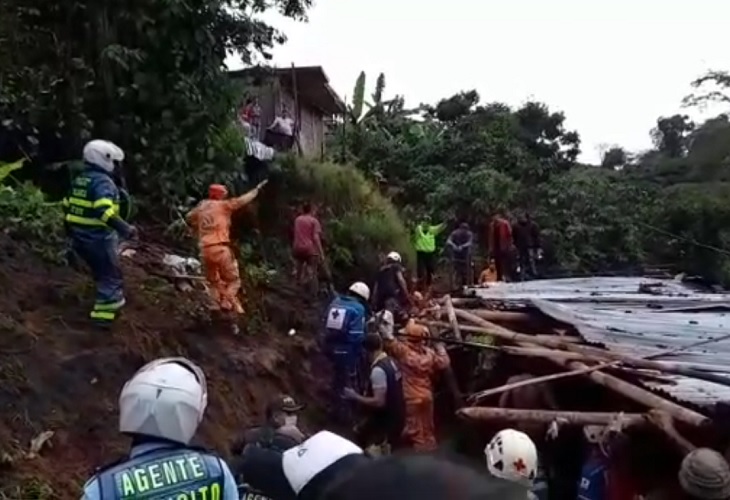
{"points": [[58, 373]]}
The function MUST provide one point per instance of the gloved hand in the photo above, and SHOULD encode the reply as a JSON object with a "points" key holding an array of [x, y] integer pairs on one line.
{"points": [[554, 429], [133, 233]]}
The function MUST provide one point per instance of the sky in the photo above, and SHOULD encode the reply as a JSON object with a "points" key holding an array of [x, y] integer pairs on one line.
{"points": [[612, 66]]}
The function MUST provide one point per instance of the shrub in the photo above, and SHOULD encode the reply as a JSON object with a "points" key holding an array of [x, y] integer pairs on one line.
{"points": [[26, 215], [360, 224]]}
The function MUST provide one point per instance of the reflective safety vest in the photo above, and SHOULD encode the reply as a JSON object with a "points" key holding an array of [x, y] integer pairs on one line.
{"points": [[92, 201], [164, 473]]}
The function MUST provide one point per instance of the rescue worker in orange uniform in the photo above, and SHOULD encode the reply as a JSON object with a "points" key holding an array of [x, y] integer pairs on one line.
{"points": [[489, 274], [419, 364], [211, 222]]}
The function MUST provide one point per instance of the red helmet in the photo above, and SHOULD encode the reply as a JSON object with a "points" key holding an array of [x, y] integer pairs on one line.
{"points": [[217, 192]]}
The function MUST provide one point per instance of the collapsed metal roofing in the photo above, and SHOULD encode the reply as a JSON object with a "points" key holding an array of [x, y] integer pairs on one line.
{"points": [[638, 317]]}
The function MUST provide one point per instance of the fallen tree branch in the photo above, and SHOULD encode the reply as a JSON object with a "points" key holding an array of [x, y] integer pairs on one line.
{"points": [[483, 413]]}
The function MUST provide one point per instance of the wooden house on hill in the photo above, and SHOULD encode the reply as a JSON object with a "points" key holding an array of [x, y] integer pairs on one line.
{"points": [[304, 92]]}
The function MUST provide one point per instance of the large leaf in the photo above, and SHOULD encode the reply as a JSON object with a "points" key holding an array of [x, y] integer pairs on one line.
{"points": [[358, 97], [8, 168]]}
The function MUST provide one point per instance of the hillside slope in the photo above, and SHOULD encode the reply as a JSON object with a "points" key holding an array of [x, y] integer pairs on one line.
{"points": [[58, 373]]}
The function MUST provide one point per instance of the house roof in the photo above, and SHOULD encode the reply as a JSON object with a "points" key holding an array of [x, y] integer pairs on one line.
{"points": [[639, 317], [312, 85]]}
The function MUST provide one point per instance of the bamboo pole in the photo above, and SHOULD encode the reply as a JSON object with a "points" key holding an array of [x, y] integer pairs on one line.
{"points": [[629, 390], [553, 342], [533, 381], [506, 316], [449, 375], [483, 413], [452, 317]]}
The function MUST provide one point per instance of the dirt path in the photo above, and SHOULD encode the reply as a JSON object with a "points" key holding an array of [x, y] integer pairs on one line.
{"points": [[59, 374]]}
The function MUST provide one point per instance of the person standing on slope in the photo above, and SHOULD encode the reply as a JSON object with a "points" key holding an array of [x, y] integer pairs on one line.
{"points": [[307, 249], [419, 364], [390, 284], [425, 243], [160, 408], [344, 332], [93, 223], [211, 222]]}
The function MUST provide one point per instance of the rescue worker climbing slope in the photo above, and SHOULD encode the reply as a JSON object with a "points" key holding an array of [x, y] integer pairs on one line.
{"points": [[344, 332], [93, 223], [211, 221], [419, 364], [160, 408], [391, 283]]}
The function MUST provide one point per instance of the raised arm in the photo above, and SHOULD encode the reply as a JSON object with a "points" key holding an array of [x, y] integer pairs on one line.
{"points": [[246, 198]]}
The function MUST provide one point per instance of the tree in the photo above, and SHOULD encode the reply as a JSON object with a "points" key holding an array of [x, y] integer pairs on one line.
{"points": [[148, 75], [614, 157], [671, 135], [720, 83]]}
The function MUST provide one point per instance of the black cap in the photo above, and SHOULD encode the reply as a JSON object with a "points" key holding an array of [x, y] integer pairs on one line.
{"points": [[284, 403]]}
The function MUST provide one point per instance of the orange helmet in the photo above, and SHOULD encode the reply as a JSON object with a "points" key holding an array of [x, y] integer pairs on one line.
{"points": [[217, 192], [416, 332]]}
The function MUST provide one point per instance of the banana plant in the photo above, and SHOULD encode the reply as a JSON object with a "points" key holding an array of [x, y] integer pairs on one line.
{"points": [[8, 168]]}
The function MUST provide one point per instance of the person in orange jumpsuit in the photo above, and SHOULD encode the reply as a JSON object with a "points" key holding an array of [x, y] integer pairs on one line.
{"points": [[419, 364], [211, 222], [489, 274]]}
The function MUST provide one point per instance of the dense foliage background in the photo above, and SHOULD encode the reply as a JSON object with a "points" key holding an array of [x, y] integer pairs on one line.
{"points": [[151, 77], [463, 159]]}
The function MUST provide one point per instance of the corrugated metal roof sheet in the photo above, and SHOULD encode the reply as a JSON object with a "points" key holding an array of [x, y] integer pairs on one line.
{"points": [[612, 312], [605, 293]]}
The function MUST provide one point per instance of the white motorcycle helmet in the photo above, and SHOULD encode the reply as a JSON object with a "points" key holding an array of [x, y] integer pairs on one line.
{"points": [[394, 257], [361, 290], [103, 154], [511, 455], [165, 399]]}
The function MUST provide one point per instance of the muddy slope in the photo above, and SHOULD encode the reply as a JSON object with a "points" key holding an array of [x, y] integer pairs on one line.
{"points": [[58, 373]]}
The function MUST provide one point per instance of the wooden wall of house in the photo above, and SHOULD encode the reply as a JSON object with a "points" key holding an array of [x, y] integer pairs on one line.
{"points": [[311, 131], [312, 128]]}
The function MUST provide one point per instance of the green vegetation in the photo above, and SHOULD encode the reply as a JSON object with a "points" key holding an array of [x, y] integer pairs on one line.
{"points": [[464, 159], [360, 224], [160, 91], [26, 215]]}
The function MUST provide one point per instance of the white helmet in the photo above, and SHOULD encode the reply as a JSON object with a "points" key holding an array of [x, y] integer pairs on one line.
{"points": [[361, 289], [166, 399], [511, 455], [394, 256], [103, 154]]}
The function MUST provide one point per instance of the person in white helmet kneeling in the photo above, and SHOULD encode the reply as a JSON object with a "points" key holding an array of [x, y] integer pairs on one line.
{"points": [[512, 463], [344, 332], [160, 408]]}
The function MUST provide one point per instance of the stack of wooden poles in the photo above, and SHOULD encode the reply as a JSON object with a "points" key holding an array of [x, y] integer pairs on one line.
{"points": [[567, 353]]}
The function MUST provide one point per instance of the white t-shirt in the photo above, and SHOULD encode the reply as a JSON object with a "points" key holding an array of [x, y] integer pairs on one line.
{"points": [[283, 126]]}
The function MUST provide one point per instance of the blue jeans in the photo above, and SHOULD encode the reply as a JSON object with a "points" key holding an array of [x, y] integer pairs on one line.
{"points": [[102, 257]]}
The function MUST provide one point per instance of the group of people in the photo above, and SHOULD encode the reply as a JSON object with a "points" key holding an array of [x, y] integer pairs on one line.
{"points": [[279, 134], [94, 226], [513, 249], [162, 405]]}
